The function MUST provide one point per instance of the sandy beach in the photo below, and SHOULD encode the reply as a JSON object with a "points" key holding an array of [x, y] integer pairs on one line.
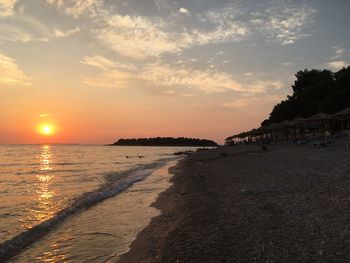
{"points": [[242, 204]]}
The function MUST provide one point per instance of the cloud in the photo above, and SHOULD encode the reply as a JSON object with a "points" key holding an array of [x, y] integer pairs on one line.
{"points": [[252, 101], [339, 52], [207, 81], [285, 64], [172, 76], [108, 79], [16, 34], [23, 28], [106, 64], [76, 8], [337, 65], [169, 92], [144, 37], [284, 23], [226, 27], [248, 74], [162, 4], [44, 115], [137, 37], [6, 7], [59, 33], [113, 75], [26, 28], [11, 74], [262, 86], [185, 11]]}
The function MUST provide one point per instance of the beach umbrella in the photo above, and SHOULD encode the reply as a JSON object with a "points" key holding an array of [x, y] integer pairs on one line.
{"points": [[270, 129], [321, 119], [229, 138], [343, 114], [283, 124], [299, 121]]}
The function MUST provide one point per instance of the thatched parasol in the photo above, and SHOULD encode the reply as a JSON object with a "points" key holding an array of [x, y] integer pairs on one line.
{"points": [[299, 121], [229, 138], [343, 114], [320, 117], [283, 124], [269, 127]]}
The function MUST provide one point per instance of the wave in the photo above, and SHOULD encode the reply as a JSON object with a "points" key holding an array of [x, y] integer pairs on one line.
{"points": [[115, 184], [55, 171], [38, 164]]}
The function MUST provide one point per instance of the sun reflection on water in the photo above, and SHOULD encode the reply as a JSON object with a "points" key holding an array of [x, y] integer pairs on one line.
{"points": [[44, 194], [54, 254]]}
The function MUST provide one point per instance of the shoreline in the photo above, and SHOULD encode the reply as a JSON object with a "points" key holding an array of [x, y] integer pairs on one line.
{"points": [[241, 204], [130, 209], [112, 187]]}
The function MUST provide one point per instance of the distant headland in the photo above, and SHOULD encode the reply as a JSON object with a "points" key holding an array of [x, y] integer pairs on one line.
{"points": [[165, 141]]}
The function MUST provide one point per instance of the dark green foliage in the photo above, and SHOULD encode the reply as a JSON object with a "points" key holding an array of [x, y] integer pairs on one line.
{"points": [[314, 91], [165, 141]]}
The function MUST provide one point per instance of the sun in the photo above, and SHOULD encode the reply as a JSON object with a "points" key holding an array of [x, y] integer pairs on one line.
{"points": [[46, 129]]}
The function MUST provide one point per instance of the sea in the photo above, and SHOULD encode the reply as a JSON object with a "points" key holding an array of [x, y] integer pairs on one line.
{"points": [[78, 203]]}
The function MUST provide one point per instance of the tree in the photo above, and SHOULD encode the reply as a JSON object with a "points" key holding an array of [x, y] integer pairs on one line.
{"points": [[314, 91]]}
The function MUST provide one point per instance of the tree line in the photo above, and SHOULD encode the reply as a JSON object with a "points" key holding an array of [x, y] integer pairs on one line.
{"points": [[165, 141], [314, 91]]}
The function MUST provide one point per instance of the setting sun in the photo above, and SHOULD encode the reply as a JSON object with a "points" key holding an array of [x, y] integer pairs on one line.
{"points": [[46, 129]]}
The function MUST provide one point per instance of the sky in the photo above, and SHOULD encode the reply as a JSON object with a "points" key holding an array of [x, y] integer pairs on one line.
{"points": [[99, 70]]}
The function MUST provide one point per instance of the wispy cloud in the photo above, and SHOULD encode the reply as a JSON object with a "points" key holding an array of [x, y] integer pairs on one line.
{"points": [[105, 63], [285, 64], [6, 7], [207, 81], [76, 8], [23, 28], [107, 79], [11, 74], [27, 28], [172, 76], [284, 23], [137, 37], [44, 115], [252, 102], [337, 65], [59, 33], [262, 86], [111, 75], [339, 52], [143, 37]]}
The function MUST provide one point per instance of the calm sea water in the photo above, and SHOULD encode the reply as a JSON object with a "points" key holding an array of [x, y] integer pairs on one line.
{"points": [[37, 181]]}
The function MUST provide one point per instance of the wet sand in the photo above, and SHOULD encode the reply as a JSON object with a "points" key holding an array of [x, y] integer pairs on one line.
{"points": [[241, 204]]}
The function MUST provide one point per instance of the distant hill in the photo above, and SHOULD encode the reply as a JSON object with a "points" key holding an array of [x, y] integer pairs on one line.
{"points": [[165, 141]]}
